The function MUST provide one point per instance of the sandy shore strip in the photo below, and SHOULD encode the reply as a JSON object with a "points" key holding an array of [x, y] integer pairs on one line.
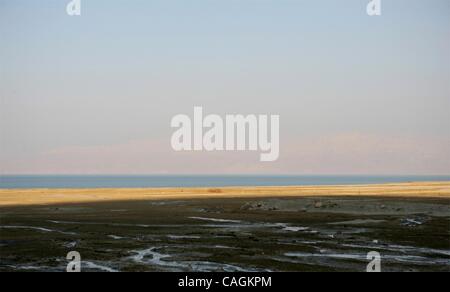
{"points": [[24, 197]]}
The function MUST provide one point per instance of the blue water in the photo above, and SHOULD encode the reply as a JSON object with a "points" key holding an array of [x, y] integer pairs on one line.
{"points": [[97, 181]]}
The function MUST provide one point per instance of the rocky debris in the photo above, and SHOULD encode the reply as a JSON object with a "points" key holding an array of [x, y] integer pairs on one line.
{"points": [[327, 205], [275, 206], [262, 206], [318, 205], [215, 210], [246, 206], [71, 244], [414, 221]]}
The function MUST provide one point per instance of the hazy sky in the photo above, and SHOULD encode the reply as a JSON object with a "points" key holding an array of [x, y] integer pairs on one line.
{"points": [[96, 93]]}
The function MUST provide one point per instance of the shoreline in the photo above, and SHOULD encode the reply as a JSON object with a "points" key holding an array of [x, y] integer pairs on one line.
{"points": [[31, 197], [275, 229]]}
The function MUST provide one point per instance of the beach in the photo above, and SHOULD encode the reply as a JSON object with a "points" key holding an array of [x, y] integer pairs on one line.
{"points": [[304, 228], [24, 197]]}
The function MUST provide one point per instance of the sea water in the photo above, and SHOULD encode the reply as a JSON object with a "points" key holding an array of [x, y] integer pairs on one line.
{"points": [[160, 181]]}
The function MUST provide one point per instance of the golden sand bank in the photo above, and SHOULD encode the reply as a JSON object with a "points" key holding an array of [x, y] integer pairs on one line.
{"points": [[23, 197]]}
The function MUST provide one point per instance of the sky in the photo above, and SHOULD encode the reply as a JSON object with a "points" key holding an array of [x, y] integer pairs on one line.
{"points": [[95, 94]]}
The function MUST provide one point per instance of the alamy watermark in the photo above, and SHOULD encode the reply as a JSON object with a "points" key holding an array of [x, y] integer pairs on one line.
{"points": [[234, 133], [374, 8], [74, 266], [73, 8], [374, 265]]}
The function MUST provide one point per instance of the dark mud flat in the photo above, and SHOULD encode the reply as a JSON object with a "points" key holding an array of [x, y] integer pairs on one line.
{"points": [[304, 234]]}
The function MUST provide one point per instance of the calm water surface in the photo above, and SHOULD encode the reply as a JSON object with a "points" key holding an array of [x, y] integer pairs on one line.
{"points": [[158, 181]]}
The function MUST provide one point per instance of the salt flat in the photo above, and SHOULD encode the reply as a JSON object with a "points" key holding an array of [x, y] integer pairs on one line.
{"points": [[329, 228], [319, 233]]}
